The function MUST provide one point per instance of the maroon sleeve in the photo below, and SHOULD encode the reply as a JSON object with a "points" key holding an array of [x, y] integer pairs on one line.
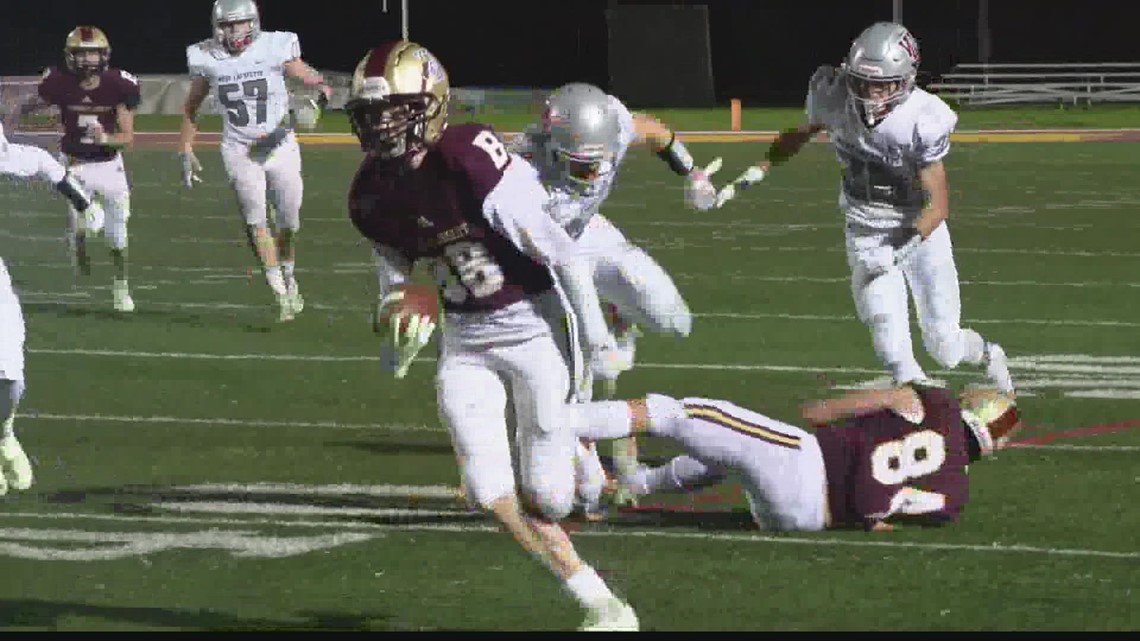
{"points": [[475, 151]]}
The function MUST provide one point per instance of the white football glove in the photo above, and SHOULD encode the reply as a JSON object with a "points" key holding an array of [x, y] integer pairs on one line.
{"points": [[94, 217], [750, 176], [410, 333], [191, 168], [700, 193], [307, 111]]}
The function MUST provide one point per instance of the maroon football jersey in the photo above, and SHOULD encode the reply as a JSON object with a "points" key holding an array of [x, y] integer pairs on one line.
{"points": [[881, 465], [436, 212], [81, 108]]}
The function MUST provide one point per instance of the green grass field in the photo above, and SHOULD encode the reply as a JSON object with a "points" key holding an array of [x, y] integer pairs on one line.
{"points": [[201, 467], [1108, 116]]}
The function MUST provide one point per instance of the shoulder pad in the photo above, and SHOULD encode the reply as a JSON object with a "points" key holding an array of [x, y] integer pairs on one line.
{"points": [[934, 122], [476, 153]]}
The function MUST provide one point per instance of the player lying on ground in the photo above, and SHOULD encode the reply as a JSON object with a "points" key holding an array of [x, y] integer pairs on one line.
{"points": [[891, 138], [874, 457]]}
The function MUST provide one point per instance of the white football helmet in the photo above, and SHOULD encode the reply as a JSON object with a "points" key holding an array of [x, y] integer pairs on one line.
{"points": [[237, 23], [584, 131], [880, 70]]}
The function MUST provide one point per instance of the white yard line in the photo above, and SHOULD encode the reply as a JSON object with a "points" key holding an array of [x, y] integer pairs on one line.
{"points": [[383, 427], [648, 244], [820, 541], [67, 299], [225, 422], [243, 274]]}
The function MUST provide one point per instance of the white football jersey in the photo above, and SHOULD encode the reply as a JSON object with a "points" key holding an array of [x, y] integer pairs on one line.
{"points": [[570, 205], [249, 86], [880, 186]]}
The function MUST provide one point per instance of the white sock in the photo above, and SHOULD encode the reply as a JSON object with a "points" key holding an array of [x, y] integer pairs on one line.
{"points": [[275, 280], [10, 394], [973, 347], [600, 419], [666, 414], [588, 588], [681, 474], [287, 271], [590, 473]]}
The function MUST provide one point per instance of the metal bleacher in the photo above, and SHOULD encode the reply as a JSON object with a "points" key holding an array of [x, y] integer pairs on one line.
{"points": [[1040, 83]]}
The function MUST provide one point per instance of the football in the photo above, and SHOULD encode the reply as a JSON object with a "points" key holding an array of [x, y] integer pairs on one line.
{"points": [[418, 299]]}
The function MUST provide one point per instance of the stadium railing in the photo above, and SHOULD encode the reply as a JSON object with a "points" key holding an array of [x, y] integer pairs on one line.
{"points": [[1040, 83]]}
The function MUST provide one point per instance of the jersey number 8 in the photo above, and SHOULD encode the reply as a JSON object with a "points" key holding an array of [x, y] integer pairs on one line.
{"points": [[476, 270], [487, 141], [913, 456]]}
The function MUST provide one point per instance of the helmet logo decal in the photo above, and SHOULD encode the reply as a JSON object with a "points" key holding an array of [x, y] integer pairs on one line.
{"points": [[910, 47], [432, 68]]}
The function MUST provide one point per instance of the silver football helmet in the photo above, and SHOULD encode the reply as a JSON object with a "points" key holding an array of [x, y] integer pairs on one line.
{"points": [[880, 70], [584, 132], [237, 23]]}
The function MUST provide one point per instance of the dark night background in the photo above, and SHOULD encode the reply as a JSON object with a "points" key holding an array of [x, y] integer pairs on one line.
{"points": [[762, 51]]}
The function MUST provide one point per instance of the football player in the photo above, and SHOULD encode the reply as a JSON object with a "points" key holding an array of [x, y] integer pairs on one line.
{"points": [[454, 197], [15, 468], [891, 138], [96, 105], [875, 457], [578, 148], [245, 67]]}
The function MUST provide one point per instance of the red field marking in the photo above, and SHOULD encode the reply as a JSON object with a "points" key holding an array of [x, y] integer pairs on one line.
{"points": [[1088, 430]]}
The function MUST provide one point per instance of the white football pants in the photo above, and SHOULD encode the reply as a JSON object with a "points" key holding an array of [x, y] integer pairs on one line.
{"points": [[881, 303], [107, 180], [475, 380], [629, 278], [280, 172]]}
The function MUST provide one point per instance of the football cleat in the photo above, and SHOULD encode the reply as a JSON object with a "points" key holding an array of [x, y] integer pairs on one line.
{"points": [[15, 468], [121, 297], [294, 299], [286, 308], [613, 615]]}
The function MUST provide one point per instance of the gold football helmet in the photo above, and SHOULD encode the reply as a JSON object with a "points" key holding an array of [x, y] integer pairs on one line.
{"points": [[991, 416], [398, 100], [76, 51]]}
